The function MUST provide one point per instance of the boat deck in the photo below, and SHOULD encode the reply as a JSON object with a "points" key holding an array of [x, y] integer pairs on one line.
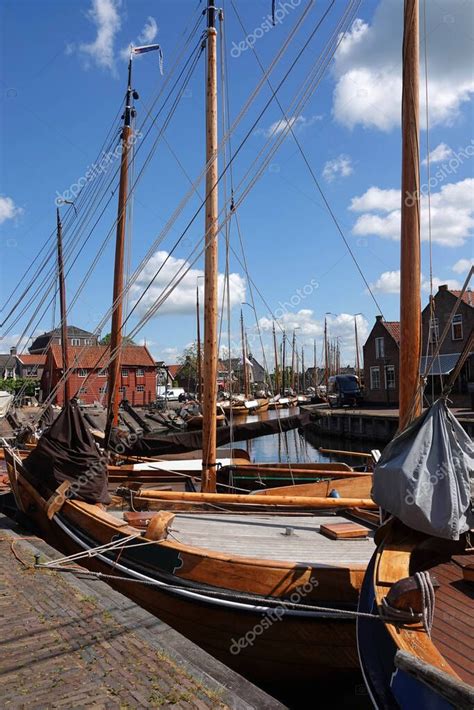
{"points": [[453, 624], [280, 538]]}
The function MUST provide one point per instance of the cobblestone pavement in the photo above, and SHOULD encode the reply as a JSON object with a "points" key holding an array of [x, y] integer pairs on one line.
{"points": [[66, 643]]}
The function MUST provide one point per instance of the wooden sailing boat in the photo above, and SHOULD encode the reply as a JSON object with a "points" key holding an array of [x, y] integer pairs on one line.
{"points": [[419, 585], [270, 594]]}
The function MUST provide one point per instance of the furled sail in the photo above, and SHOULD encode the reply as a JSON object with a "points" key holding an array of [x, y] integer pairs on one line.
{"points": [[425, 476]]}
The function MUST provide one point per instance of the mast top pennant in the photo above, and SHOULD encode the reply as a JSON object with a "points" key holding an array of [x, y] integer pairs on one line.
{"points": [[149, 48]]}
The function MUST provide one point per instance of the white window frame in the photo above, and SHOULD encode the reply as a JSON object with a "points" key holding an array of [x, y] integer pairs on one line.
{"points": [[125, 372], [140, 388], [390, 385], [457, 320], [102, 373], [374, 370], [140, 372], [379, 348], [81, 372], [103, 389], [76, 342]]}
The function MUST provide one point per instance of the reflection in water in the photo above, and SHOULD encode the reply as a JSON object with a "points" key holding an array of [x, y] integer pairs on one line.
{"points": [[294, 446]]}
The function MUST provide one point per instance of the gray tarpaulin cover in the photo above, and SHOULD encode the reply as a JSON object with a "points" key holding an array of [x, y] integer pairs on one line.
{"points": [[425, 476]]}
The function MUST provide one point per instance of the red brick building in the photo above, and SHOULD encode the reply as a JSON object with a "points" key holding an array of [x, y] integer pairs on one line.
{"points": [[381, 362], [88, 380]]}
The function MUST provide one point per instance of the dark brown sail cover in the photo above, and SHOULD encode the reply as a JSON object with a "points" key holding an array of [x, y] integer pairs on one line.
{"points": [[180, 442], [67, 452]]}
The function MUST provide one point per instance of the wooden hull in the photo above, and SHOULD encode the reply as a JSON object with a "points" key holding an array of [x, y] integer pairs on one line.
{"points": [[276, 651]]}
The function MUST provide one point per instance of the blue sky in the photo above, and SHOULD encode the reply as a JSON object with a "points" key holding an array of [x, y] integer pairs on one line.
{"points": [[63, 82]]}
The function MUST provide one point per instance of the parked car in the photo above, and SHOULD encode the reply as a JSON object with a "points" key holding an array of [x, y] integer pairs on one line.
{"points": [[172, 394], [344, 390]]}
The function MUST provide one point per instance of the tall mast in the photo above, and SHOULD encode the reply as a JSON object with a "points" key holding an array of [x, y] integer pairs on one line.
{"points": [[326, 355], [209, 401], [62, 304], [277, 374], [198, 354], [293, 345], [117, 313], [244, 356], [315, 374], [283, 362], [303, 378], [357, 347], [410, 307]]}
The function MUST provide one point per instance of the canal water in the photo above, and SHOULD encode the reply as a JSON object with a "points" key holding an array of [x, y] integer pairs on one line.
{"points": [[295, 447]]}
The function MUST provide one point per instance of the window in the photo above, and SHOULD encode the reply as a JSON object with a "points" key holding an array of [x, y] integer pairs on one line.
{"points": [[75, 341], [103, 373], [80, 372], [390, 377], [456, 327], [122, 389], [434, 330], [124, 372], [140, 388], [379, 348], [374, 378], [102, 389], [83, 390], [140, 372]]}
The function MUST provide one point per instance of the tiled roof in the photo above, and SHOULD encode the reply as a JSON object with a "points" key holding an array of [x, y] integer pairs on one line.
{"points": [[27, 359], [97, 356], [468, 296], [173, 370], [393, 327]]}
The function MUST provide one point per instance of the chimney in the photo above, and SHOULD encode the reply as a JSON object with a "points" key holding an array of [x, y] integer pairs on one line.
{"points": [[378, 319], [13, 351], [444, 287]]}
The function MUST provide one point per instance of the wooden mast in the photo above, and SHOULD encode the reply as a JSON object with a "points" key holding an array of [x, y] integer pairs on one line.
{"points": [[410, 307], [62, 305], [283, 362], [244, 356], [198, 354], [357, 347], [209, 400], [303, 378], [293, 345], [116, 330], [277, 374], [326, 356], [315, 375]]}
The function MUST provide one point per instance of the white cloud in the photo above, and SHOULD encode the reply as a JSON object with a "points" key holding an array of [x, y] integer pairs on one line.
{"points": [[462, 266], [106, 18], [149, 31], [376, 199], [297, 123], [182, 301], [367, 66], [389, 282], [339, 167], [440, 153], [452, 214], [8, 209]]}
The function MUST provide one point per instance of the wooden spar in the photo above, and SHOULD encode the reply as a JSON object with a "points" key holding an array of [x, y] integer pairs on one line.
{"points": [[345, 453], [198, 354], [113, 390], [283, 362], [295, 471], [303, 378], [315, 376], [62, 304], [326, 356], [277, 374], [209, 400], [316, 503], [293, 345], [244, 356], [357, 347], [410, 280]]}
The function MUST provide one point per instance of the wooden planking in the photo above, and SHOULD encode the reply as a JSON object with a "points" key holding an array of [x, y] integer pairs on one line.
{"points": [[265, 537], [453, 625]]}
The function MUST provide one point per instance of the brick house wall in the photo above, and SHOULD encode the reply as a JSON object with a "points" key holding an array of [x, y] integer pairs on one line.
{"points": [[444, 302], [89, 381], [381, 367]]}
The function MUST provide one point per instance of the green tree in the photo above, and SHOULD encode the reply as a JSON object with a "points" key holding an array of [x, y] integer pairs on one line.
{"points": [[14, 386], [126, 340]]}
